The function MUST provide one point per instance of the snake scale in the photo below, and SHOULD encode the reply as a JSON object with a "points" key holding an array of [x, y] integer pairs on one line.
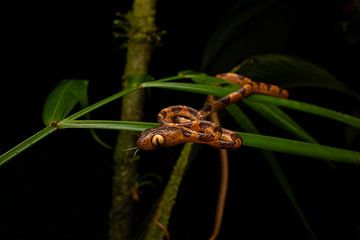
{"points": [[182, 124]]}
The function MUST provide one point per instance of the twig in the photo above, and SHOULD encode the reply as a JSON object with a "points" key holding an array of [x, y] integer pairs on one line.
{"points": [[224, 179]]}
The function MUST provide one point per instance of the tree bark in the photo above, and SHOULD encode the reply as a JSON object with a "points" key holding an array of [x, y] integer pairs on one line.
{"points": [[141, 31]]}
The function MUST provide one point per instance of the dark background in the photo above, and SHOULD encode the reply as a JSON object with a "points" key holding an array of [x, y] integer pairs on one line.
{"points": [[61, 187]]}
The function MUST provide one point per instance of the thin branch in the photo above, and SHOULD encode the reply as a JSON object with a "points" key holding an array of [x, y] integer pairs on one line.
{"points": [[224, 180]]}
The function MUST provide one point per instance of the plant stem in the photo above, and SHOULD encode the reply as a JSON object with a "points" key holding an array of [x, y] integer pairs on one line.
{"points": [[224, 180], [157, 229], [140, 34]]}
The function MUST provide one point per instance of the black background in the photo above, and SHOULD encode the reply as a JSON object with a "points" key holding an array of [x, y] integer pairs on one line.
{"points": [[61, 187]]}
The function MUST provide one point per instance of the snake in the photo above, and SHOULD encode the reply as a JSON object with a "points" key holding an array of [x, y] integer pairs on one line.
{"points": [[183, 124]]}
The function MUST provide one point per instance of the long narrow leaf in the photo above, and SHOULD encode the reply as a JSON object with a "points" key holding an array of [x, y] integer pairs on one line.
{"points": [[240, 117], [251, 140], [106, 124], [101, 103], [280, 119], [190, 87], [284, 121], [292, 104], [246, 123], [301, 148], [306, 107], [274, 164], [25, 144], [48, 130]]}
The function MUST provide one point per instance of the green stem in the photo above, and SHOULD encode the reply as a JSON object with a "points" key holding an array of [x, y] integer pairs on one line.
{"points": [[26, 144], [161, 218]]}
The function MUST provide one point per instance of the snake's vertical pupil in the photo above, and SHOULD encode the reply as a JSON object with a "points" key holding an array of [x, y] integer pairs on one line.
{"points": [[157, 140]]}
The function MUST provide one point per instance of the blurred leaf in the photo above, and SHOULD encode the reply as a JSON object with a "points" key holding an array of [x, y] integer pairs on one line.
{"points": [[199, 77], [352, 134], [274, 164], [248, 28], [98, 139], [306, 107], [63, 99], [184, 73], [247, 125], [138, 79], [281, 119], [289, 71], [206, 79], [292, 104], [301, 148], [240, 117]]}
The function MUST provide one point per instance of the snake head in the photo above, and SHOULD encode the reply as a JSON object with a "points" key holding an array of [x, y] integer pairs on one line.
{"points": [[160, 137]]}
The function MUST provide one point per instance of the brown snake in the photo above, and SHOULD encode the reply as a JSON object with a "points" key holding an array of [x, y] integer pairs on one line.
{"points": [[182, 124]]}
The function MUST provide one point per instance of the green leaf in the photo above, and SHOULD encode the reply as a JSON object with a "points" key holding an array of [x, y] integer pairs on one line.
{"points": [[26, 144], [101, 103], [281, 119], [138, 79], [106, 124], [251, 140], [98, 139], [301, 148], [246, 124], [292, 104], [201, 78], [274, 164], [50, 129], [63, 99], [190, 87], [306, 107], [240, 117], [290, 71]]}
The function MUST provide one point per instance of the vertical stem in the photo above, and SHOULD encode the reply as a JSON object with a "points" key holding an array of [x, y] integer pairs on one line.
{"points": [[157, 230], [224, 181], [141, 32]]}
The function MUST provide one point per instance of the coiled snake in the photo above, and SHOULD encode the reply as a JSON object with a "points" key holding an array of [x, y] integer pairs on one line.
{"points": [[182, 124]]}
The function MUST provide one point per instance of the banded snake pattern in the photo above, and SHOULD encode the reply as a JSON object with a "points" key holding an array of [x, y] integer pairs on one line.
{"points": [[182, 124]]}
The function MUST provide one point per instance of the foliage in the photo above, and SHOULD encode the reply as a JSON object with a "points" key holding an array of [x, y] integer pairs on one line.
{"points": [[63, 99]]}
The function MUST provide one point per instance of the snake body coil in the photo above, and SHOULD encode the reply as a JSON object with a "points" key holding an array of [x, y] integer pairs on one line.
{"points": [[182, 124]]}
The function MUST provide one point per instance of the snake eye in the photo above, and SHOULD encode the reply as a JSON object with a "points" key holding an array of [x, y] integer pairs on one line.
{"points": [[157, 140]]}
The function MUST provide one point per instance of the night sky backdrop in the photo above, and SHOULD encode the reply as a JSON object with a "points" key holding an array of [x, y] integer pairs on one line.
{"points": [[61, 187]]}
